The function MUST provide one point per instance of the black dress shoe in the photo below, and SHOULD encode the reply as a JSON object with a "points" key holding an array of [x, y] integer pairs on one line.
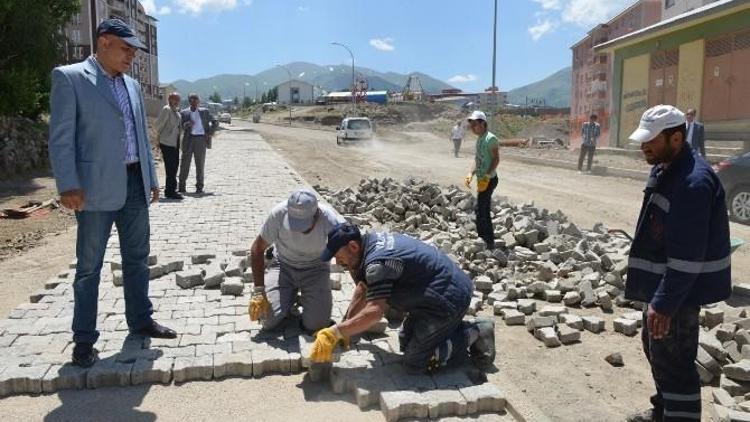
{"points": [[156, 331], [84, 355], [182, 190], [199, 191], [176, 196]]}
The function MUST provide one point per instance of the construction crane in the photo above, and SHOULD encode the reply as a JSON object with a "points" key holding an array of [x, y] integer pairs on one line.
{"points": [[413, 90]]}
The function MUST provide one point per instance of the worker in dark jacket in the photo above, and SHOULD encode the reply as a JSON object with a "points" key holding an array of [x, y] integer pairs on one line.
{"points": [[411, 276], [679, 260]]}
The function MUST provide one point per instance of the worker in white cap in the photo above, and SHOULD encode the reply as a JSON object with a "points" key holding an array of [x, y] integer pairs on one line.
{"points": [[298, 229], [485, 169], [679, 260]]}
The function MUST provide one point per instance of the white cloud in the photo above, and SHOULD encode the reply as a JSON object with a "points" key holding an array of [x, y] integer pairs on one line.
{"points": [[196, 7], [550, 4], [462, 79], [383, 44], [301, 75], [587, 13], [330, 69], [151, 9], [303, 9], [540, 29]]}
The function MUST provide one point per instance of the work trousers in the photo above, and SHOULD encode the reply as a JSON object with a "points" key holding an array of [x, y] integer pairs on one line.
{"points": [[484, 214], [94, 228], [313, 285], [193, 145], [586, 151], [171, 156], [672, 359], [430, 341]]}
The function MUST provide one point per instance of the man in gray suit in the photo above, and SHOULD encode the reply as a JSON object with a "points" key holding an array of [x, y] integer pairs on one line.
{"points": [[196, 122], [101, 158], [695, 133]]}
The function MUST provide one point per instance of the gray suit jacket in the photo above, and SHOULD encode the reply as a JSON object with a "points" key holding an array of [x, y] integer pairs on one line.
{"points": [[85, 136], [699, 138], [205, 120]]}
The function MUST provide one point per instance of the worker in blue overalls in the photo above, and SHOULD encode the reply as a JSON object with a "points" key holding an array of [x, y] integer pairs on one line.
{"points": [[402, 272], [679, 260]]}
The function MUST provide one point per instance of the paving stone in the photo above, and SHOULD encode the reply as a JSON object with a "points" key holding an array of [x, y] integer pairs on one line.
{"points": [[572, 321], [117, 278], [567, 334], [527, 306], [213, 349], [483, 284], [705, 375], [718, 413], [536, 322], [232, 286], [708, 361], [474, 306], [233, 365], [721, 397], [235, 268], [571, 298], [514, 317], [713, 346], [713, 317], [628, 327], [553, 296], [593, 324], [397, 405], [267, 361], [605, 301], [202, 258], [548, 336], [553, 311], [739, 371], [175, 352], [442, 403], [739, 416], [635, 316], [22, 379], [189, 278], [483, 398], [193, 368], [742, 337], [107, 372], [213, 275], [157, 371], [64, 377], [587, 293], [734, 388], [204, 338], [725, 332]]}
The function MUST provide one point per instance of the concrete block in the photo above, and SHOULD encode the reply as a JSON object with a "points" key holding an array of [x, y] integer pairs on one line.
{"points": [[527, 306], [593, 324], [717, 413], [64, 377], [739, 371], [202, 258], [734, 388], [628, 327], [235, 267], [536, 322], [572, 321], [553, 311], [548, 336], [483, 284], [725, 332], [189, 279], [109, 373], [567, 334], [705, 375], [233, 365], [397, 405], [157, 371], [267, 361], [22, 379], [742, 337], [708, 361], [483, 398], [739, 416], [499, 307], [443, 403], [553, 296], [474, 306], [117, 278], [213, 275], [713, 317], [605, 301], [635, 316], [514, 317], [193, 368], [713, 346], [232, 286], [571, 298], [722, 398]]}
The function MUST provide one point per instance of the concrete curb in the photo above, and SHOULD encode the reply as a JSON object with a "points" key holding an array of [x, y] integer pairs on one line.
{"points": [[569, 165]]}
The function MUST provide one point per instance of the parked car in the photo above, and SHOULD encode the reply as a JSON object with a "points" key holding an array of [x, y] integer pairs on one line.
{"points": [[225, 118], [352, 128], [734, 174]]}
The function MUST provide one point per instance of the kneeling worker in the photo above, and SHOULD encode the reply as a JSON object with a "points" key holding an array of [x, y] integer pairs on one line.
{"points": [[297, 228], [411, 276]]}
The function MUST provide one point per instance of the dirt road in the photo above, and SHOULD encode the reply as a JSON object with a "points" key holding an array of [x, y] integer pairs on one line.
{"points": [[567, 383]]}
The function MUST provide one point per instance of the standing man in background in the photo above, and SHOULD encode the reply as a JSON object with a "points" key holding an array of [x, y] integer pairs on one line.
{"points": [[590, 132], [196, 121], [696, 136], [679, 260], [457, 136], [485, 169], [101, 158], [168, 135]]}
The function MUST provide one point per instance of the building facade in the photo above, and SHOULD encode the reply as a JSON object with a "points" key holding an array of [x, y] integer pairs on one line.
{"points": [[699, 59], [672, 8], [81, 34], [300, 92], [592, 71]]}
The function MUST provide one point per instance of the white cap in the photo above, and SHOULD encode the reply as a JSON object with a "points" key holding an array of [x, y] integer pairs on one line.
{"points": [[655, 120], [477, 115]]}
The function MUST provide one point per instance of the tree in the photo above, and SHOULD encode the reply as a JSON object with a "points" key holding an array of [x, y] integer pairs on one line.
{"points": [[247, 102], [215, 97], [264, 98], [236, 101], [273, 95], [31, 44]]}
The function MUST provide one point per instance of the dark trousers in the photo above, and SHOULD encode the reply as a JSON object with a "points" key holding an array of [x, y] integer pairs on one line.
{"points": [[171, 156], [193, 145], [672, 359], [94, 228], [484, 214], [430, 341], [589, 151]]}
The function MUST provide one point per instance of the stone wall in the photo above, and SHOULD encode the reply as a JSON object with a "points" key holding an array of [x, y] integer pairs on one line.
{"points": [[23, 146]]}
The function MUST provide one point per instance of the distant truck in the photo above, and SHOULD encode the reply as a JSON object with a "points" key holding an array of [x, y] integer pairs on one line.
{"points": [[353, 128]]}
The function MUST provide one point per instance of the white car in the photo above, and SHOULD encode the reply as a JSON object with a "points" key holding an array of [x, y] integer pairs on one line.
{"points": [[225, 118], [353, 128]]}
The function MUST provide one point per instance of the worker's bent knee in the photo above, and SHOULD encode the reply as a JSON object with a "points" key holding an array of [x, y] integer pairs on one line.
{"points": [[315, 323], [273, 322]]}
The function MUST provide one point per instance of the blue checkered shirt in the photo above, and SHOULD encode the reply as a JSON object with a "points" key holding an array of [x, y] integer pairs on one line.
{"points": [[590, 132], [120, 92]]}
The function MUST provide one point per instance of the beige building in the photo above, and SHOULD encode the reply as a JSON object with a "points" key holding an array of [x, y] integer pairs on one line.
{"points": [[81, 33]]}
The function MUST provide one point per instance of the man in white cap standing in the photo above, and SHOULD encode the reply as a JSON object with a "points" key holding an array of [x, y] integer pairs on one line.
{"points": [[679, 260], [298, 229], [485, 169]]}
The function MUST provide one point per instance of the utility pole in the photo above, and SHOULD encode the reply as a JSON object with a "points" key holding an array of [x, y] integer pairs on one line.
{"points": [[290, 91], [354, 89], [494, 58]]}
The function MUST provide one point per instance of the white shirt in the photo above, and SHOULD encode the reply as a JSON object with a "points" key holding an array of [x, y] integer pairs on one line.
{"points": [[458, 132], [197, 129], [690, 133]]}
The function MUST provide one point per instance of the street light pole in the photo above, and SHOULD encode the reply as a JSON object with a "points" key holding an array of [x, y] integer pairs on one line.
{"points": [[290, 91], [494, 58], [354, 102]]}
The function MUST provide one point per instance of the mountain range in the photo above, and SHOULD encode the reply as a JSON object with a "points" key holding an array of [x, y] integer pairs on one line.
{"points": [[555, 89]]}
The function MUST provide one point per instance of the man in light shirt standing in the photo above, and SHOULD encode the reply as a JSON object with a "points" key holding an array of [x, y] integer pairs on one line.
{"points": [[168, 135], [457, 136], [196, 122]]}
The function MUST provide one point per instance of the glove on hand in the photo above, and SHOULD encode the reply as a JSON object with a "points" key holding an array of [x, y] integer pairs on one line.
{"points": [[325, 341], [483, 183], [259, 308], [467, 180]]}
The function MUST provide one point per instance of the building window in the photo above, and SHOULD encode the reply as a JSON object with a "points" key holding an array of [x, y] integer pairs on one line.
{"points": [[76, 36], [668, 3]]}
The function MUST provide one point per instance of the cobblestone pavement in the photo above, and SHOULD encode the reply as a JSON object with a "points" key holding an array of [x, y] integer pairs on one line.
{"points": [[199, 288]]}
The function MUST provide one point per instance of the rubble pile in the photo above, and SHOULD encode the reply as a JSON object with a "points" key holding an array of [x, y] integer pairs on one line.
{"points": [[23, 146]]}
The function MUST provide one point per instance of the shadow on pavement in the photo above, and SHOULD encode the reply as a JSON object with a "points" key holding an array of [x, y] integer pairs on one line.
{"points": [[105, 404]]}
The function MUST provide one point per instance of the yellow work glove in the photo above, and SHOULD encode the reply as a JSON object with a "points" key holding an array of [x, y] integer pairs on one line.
{"points": [[483, 183], [467, 180], [325, 341], [259, 308]]}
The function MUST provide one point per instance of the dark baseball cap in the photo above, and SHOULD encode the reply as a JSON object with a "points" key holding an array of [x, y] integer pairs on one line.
{"points": [[119, 28], [339, 236]]}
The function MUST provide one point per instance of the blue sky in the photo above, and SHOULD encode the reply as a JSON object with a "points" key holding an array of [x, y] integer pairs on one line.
{"points": [[447, 39]]}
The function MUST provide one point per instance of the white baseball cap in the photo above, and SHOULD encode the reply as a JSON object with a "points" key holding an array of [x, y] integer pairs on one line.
{"points": [[477, 115], [655, 120]]}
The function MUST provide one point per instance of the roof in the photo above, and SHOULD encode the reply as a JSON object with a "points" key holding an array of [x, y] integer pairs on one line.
{"points": [[349, 94], [707, 12], [294, 81]]}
